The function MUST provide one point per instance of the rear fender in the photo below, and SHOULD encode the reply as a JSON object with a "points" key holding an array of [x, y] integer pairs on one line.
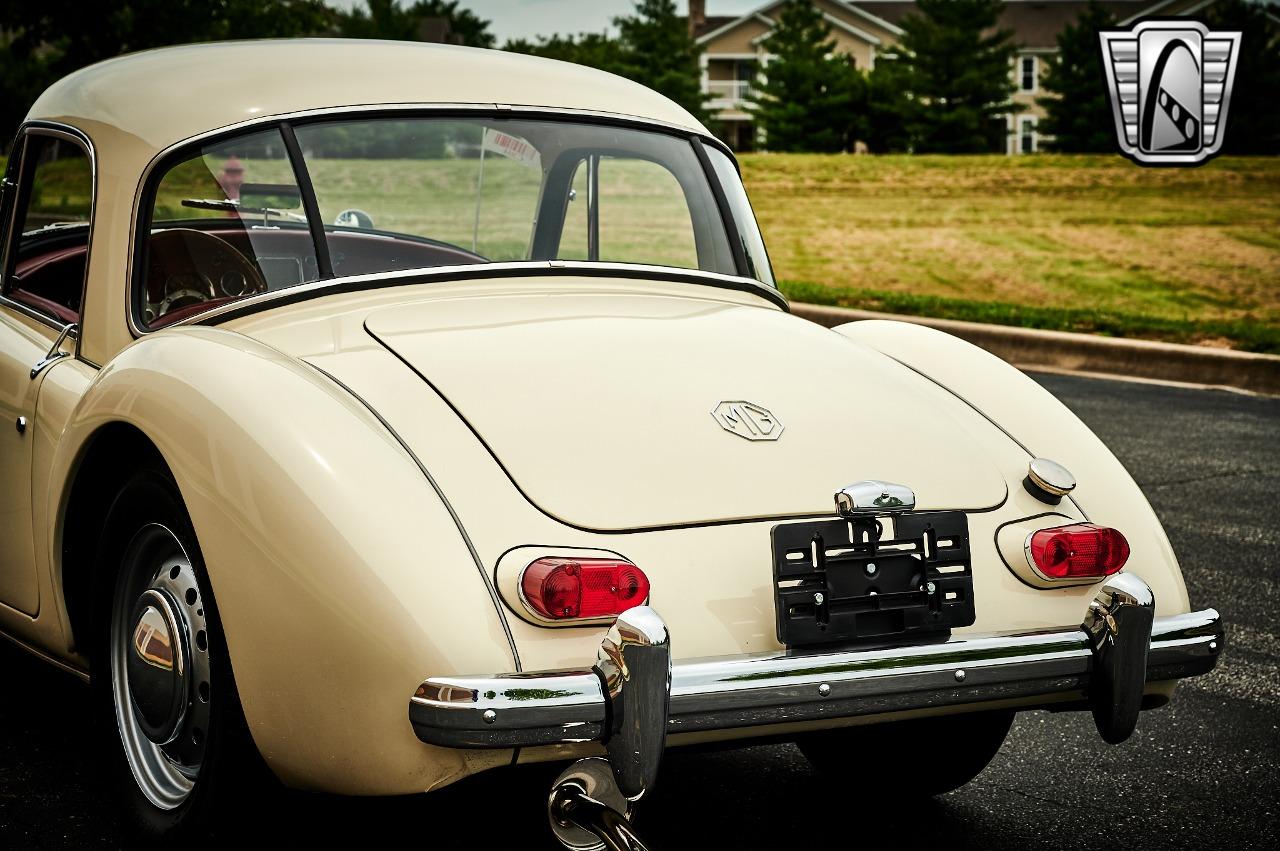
{"points": [[1033, 417], [340, 573]]}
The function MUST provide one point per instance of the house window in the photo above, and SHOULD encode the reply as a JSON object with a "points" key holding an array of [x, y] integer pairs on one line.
{"points": [[1027, 135], [1028, 75]]}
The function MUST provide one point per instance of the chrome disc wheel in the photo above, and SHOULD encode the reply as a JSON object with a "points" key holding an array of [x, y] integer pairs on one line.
{"points": [[160, 677]]}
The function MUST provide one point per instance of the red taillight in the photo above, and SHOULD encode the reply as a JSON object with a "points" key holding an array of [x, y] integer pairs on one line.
{"points": [[1079, 550], [578, 588]]}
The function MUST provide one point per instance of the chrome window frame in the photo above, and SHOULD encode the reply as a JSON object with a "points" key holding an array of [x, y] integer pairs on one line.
{"points": [[148, 180], [68, 133]]}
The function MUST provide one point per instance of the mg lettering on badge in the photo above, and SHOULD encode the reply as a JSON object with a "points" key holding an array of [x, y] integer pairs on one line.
{"points": [[749, 420]]}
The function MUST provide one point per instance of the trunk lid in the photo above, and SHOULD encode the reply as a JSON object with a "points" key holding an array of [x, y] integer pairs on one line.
{"points": [[613, 410]]}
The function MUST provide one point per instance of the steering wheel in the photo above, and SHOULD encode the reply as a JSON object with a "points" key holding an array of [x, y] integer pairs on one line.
{"points": [[186, 267]]}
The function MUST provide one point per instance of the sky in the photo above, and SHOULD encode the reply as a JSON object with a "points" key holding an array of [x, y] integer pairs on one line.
{"points": [[529, 18]]}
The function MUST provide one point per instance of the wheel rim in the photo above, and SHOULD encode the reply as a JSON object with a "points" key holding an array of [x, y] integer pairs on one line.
{"points": [[160, 676]]}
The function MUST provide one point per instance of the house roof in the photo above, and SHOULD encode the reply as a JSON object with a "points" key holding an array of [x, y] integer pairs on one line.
{"points": [[1035, 23], [712, 23]]}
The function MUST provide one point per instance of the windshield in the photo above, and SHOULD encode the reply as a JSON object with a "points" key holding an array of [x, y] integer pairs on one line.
{"points": [[241, 217]]}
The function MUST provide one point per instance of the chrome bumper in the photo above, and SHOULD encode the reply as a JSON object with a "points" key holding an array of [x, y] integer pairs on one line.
{"points": [[1118, 649]]}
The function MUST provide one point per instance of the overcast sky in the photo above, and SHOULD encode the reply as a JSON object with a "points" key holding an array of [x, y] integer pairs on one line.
{"points": [[527, 18]]}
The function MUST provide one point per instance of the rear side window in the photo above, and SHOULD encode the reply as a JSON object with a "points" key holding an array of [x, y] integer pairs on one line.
{"points": [[226, 223], [641, 215], [53, 199]]}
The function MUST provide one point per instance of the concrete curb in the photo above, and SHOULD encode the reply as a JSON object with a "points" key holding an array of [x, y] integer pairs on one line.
{"points": [[1029, 348]]}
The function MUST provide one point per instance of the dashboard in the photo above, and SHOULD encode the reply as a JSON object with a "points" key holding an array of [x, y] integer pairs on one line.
{"points": [[191, 269]]}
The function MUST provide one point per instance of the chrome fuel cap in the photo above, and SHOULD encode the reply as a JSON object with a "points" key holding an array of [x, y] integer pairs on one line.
{"points": [[156, 667], [1048, 480]]}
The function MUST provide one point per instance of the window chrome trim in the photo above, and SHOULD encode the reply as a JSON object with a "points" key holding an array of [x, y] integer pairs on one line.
{"points": [[57, 130], [436, 110], [729, 220], [479, 272]]}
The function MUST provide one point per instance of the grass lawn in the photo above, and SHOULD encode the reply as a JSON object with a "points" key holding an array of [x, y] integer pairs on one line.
{"points": [[1084, 243], [1090, 243]]}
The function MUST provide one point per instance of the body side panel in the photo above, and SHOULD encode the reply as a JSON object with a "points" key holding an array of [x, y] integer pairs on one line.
{"points": [[23, 342]]}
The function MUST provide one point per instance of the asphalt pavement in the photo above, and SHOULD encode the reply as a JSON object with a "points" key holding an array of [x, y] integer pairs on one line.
{"points": [[1200, 773]]}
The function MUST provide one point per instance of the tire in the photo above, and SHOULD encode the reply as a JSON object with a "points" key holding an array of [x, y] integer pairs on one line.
{"points": [[908, 759], [176, 749]]}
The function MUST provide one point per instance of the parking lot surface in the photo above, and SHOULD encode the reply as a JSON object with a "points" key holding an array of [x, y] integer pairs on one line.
{"points": [[1203, 772]]}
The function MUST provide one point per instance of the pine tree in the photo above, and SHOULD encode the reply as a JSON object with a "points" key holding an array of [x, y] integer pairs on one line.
{"points": [[887, 107], [955, 65], [1078, 113], [656, 50], [807, 94]]}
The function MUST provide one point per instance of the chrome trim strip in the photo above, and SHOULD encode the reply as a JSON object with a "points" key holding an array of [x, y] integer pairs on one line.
{"points": [[562, 707], [553, 707], [480, 272]]}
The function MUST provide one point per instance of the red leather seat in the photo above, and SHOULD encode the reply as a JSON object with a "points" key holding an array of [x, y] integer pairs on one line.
{"points": [[44, 305]]}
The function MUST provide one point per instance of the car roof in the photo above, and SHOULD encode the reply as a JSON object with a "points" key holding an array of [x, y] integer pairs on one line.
{"points": [[161, 97]]}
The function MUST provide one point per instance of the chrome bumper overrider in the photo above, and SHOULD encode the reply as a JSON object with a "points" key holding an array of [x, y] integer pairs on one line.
{"points": [[633, 696]]}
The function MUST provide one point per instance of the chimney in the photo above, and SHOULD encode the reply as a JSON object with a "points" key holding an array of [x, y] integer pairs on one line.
{"points": [[697, 16]]}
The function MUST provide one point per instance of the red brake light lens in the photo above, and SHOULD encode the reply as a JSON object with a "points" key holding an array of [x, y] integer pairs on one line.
{"points": [[1079, 550], [581, 588]]}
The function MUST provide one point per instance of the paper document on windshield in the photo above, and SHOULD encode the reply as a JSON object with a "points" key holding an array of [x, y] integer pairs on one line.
{"points": [[511, 147]]}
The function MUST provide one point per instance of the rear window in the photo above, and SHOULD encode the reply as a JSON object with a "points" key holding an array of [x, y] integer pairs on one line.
{"points": [[277, 208]]}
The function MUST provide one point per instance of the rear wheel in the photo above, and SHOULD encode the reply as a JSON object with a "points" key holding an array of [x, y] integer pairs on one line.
{"points": [[918, 758], [176, 744]]}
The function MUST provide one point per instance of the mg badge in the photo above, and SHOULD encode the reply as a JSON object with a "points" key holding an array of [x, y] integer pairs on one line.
{"points": [[749, 420], [1170, 86]]}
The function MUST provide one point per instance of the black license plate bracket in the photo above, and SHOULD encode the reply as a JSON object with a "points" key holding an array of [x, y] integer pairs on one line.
{"points": [[842, 580]]}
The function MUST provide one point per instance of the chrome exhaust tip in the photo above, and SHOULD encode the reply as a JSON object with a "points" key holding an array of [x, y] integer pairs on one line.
{"points": [[588, 812]]}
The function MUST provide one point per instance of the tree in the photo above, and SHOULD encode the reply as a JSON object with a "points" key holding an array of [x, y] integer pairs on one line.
{"points": [[887, 107], [41, 42], [955, 64], [1253, 121], [653, 47], [807, 94], [463, 23], [1078, 115], [656, 50], [388, 19], [596, 50]]}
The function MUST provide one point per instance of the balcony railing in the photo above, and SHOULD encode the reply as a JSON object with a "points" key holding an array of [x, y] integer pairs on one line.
{"points": [[728, 92]]}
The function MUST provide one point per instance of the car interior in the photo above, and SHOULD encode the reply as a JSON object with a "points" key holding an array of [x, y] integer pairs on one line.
{"points": [[50, 279]]}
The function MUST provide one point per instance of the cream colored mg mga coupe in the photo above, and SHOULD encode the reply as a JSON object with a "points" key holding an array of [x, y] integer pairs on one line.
{"points": [[387, 413]]}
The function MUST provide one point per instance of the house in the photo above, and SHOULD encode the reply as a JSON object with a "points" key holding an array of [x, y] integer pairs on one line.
{"points": [[735, 47]]}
